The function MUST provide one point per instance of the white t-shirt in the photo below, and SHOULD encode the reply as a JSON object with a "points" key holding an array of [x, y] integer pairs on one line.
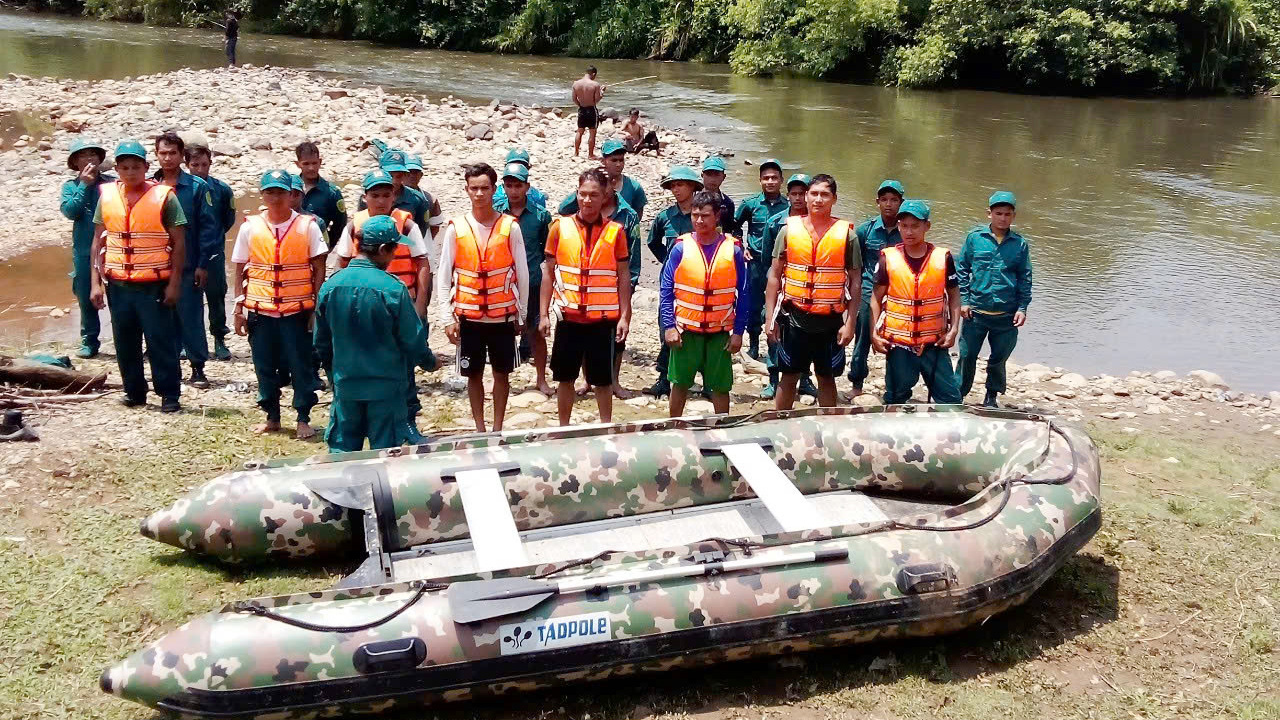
{"points": [[444, 277], [417, 248], [240, 251]]}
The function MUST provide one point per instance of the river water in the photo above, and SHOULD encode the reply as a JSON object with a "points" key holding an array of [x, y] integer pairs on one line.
{"points": [[1154, 224]]}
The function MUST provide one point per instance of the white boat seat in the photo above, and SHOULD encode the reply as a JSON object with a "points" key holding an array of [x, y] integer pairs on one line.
{"points": [[493, 531], [787, 505]]}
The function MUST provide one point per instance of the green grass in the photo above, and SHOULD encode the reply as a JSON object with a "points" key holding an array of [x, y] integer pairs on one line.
{"points": [[1187, 550]]}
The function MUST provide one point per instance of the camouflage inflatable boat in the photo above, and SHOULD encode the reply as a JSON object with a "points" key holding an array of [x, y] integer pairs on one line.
{"points": [[516, 561]]}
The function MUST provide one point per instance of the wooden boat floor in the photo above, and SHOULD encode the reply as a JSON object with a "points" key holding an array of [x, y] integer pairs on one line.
{"points": [[742, 518]]}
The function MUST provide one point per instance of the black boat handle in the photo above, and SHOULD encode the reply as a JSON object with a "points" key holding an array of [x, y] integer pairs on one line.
{"points": [[925, 578], [389, 655]]}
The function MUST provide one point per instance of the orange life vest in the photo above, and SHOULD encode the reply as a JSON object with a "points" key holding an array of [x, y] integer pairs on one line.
{"points": [[814, 276], [484, 273], [586, 282], [705, 293], [914, 312], [403, 264], [279, 268], [137, 247]]}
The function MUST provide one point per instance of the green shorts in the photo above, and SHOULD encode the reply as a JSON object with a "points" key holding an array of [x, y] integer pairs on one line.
{"points": [[708, 354]]}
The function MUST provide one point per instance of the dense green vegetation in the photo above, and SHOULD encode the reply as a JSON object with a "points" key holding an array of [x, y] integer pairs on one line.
{"points": [[1117, 46]]}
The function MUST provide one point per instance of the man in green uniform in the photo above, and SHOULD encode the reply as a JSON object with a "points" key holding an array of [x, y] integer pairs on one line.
{"points": [[755, 212], [713, 174], [994, 272], [394, 162], [797, 190], [319, 196], [435, 216], [533, 197], [682, 182], [79, 200], [629, 197], [535, 225], [368, 331], [873, 236], [143, 309], [199, 161]]}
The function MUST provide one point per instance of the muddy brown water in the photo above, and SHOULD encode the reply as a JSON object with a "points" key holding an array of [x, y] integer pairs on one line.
{"points": [[1155, 224]]}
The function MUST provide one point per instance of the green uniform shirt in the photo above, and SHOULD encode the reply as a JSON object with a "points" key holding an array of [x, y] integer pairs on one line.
{"points": [[810, 322], [872, 238], [224, 208], [79, 205], [669, 225], [995, 277], [324, 200], [368, 331], [756, 211], [535, 225]]}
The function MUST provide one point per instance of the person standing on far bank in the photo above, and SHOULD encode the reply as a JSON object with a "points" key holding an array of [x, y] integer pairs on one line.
{"points": [[994, 271], [586, 95], [232, 35], [873, 236], [79, 200], [915, 310]]}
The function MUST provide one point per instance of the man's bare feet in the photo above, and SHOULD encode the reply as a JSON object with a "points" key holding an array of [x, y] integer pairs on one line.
{"points": [[624, 393], [305, 431], [267, 427], [545, 388], [584, 391]]}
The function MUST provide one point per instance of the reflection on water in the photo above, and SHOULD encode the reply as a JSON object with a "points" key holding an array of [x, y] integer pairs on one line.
{"points": [[1155, 225]]}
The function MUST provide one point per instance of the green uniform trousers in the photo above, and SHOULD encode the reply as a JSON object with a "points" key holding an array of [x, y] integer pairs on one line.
{"points": [[757, 279], [351, 421], [81, 285], [858, 370], [190, 336], [281, 348], [903, 369], [215, 293], [138, 312], [999, 331]]}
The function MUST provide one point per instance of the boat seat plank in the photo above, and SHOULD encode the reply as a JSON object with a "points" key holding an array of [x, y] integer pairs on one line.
{"points": [[493, 531], [787, 505]]}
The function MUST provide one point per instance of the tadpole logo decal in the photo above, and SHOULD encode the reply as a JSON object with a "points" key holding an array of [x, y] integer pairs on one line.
{"points": [[516, 638], [558, 632]]}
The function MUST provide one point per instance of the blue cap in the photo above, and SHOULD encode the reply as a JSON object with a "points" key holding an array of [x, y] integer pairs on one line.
{"points": [[893, 185], [278, 179], [516, 170], [413, 162], [801, 178], [770, 163], [380, 230], [611, 146], [374, 178], [1002, 197], [520, 155], [714, 163], [682, 172], [393, 161], [915, 208], [295, 183], [128, 148]]}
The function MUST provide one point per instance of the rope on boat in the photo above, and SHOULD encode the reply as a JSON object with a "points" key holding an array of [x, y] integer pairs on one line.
{"points": [[255, 609]]}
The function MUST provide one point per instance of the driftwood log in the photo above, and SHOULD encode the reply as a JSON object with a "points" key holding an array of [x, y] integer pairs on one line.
{"points": [[29, 373]]}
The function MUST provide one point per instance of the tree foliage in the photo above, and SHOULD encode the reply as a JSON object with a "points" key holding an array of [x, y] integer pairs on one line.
{"points": [[1126, 46]]}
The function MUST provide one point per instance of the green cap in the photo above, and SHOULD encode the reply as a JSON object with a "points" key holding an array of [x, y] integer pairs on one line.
{"points": [[516, 170], [1002, 197], [128, 148], [893, 185], [611, 146], [85, 144], [380, 230], [413, 162], [770, 163], [682, 172], [915, 208], [295, 183], [519, 155], [374, 178], [714, 163], [279, 179], [799, 178], [393, 161]]}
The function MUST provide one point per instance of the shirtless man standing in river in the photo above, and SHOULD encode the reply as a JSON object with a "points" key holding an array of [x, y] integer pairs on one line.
{"points": [[586, 95]]}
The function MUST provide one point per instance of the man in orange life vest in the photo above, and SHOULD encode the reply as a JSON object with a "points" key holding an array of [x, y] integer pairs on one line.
{"points": [[140, 226], [484, 284], [278, 258], [915, 310], [702, 306], [588, 287], [816, 274]]}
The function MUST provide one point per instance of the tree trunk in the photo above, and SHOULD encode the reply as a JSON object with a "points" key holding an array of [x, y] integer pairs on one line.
{"points": [[29, 373]]}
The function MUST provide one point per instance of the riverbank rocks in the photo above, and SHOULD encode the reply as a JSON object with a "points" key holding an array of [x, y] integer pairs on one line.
{"points": [[1208, 379]]}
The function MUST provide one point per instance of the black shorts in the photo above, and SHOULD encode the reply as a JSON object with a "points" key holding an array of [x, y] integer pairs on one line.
{"points": [[480, 340], [588, 117], [584, 346], [798, 349]]}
